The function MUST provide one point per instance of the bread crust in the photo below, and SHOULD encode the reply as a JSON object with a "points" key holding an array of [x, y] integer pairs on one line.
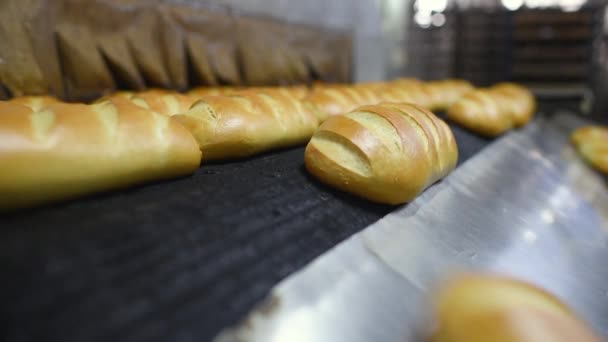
{"points": [[67, 150]]}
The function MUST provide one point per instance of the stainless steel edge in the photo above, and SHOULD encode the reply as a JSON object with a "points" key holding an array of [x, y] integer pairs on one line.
{"points": [[525, 206]]}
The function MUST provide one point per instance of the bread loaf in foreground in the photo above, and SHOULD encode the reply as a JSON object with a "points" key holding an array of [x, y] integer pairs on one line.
{"points": [[68, 150], [591, 142], [387, 153], [233, 126], [473, 308]]}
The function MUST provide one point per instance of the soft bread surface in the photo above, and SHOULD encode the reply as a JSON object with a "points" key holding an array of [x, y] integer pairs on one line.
{"points": [[491, 308], [387, 153], [250, 122], [591, 142], [67, 150]]}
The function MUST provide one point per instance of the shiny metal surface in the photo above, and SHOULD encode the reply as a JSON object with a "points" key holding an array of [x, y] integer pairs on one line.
{"points": [[525, 206]]}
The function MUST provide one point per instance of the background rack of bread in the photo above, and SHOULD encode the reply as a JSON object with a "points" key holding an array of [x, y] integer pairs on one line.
{"points": [[105, 94], [78, 50]]}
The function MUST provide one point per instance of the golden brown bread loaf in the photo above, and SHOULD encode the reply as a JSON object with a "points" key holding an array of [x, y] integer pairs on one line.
{"points": [[67, 150], [591, 142], [161, 101], [36, 103], [247, 123], [475, 308], [481, 112], [387, 153], [297, 91], [334, 99], [446, 92], [519, 100], [493, 111]]}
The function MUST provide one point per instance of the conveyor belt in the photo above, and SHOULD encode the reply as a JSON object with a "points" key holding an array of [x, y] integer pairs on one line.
{"points": [[172, 261]]}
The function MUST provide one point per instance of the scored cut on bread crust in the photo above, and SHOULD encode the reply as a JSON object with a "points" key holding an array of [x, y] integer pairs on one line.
{"points": [[387, 153]]}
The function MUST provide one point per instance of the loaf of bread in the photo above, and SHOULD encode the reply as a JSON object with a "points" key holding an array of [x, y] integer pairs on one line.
{"points": [[241, 125], [387, 153], [591, 142], [481, 112], [36, 103], [518, 99], [334, 99], [493, 111], [491, 308], [444, 93], [68, 150], [161, 101], [297, 91]]}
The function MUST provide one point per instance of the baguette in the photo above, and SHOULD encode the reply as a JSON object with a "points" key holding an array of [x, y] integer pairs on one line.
{"points": [[387, 153], [591, 142], [67, 150], [490, 308], [241, 125]]}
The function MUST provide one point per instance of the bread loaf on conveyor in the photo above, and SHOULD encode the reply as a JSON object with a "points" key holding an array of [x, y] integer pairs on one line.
{"points": [[480, 112], [520, 101], [297, 91], [491, 308], [591, 143], [67, 150], [493, 111], [446, 92], [241, 125], [161, 101], [388, 153]]}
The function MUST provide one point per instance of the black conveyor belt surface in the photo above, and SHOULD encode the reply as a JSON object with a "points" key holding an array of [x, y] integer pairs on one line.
{"points": [[172, 261]]}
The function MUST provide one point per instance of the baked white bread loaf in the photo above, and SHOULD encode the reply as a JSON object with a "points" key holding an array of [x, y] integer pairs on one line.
{"points": [[591, 142], [35, 102], [298, 92], [493, 111], [519, 101], [480, 111], [161, 101], [67, 150], [475, 308], [446, 92], [241, 125], [334, 99], [387, 153]]}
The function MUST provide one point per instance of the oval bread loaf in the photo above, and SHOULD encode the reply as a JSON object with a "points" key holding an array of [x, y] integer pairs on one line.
{"points": [[491, 308], [387, 153], [521, 101], [67, 150], [241, 125], [494, 111], [481, 112]]}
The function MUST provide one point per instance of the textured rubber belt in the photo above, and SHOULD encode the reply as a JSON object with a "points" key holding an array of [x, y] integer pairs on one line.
{"points": [[176, 260]]}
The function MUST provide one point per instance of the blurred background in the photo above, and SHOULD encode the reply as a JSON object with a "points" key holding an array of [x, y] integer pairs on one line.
{"points": [[557, 47]]}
